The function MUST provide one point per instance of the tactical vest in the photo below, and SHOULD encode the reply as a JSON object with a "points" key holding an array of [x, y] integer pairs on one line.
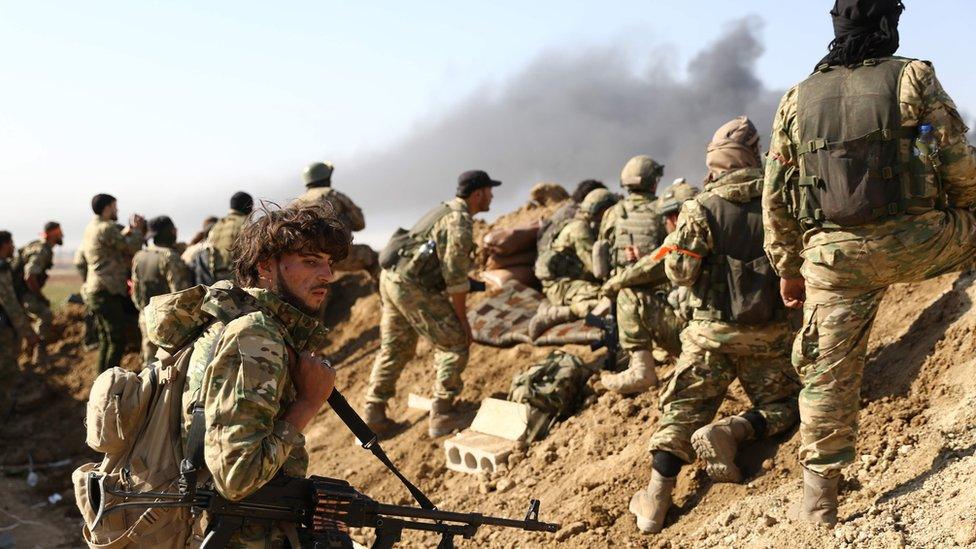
{"points": [[638, 224], [550, 263], [418, 260], [856, 159], [737, 283], [150, 271], [223, 236]]}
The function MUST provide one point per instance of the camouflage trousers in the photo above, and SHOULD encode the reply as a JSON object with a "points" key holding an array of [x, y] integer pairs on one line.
{"points": [[845, 282], [38, 309], [409, 311], [148, 348], [579, 295], [109, 311], [9, 369], [645, 320], [361, 258], [713, 355]]}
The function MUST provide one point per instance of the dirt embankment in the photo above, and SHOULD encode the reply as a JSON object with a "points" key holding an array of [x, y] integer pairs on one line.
{"points": [[910, 485]]}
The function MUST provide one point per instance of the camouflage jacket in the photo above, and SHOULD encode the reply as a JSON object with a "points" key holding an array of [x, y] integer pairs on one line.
{"points": [[645, 230], [107, 252], [246, 386], [345, 208], [222, 238], [36, 259], [691, 240], [454, 236], [922, 100], [577, 239], [157, 270], [9, 304], [81, 264]]}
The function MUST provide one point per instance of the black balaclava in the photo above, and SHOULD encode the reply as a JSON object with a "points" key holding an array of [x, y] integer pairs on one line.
{"points": [[863, 29]]}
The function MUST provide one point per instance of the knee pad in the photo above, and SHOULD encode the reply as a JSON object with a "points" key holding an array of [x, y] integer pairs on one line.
{"points": [[666, 463]]}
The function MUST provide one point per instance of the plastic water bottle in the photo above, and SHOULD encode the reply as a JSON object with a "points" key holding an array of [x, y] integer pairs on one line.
{"points": [[926, 147], [428, 248]]}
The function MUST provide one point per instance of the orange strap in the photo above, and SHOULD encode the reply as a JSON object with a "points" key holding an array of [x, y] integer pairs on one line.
{"points": [[665, 250]]}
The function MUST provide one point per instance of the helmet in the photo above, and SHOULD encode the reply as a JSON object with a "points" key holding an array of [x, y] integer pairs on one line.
{"points": [[641, 173], [597, 201], [317, 173], [674, 196]]}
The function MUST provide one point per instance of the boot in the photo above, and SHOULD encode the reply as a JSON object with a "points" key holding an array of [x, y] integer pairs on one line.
{"points": [[375, 418], [637, 378], [651, 504], [717, 444], [819, 503], [547, 316], [441, 420]]}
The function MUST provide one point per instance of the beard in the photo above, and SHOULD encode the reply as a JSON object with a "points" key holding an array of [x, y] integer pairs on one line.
{"points": [[114, 217], [291, 298]]}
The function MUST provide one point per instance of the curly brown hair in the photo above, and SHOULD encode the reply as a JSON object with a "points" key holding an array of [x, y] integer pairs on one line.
{"points": [[276, 231]]}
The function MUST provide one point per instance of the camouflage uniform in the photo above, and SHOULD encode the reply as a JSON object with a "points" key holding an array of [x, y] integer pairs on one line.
{"points": [[222, 238], [245, 388], [107, 252], [156, 270], [714, 353], [91, 325], [847, 270], [646, 314], [411, 308], [14, 325], [37, 258], [361, 257], [576, 290]]}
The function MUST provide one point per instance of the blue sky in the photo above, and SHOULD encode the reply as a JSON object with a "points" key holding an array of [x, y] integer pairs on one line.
{"points": [[171, 106]]}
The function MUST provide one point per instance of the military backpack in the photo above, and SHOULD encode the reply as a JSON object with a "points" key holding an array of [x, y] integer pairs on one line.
{"points": [[551, 264], [553, 389]]}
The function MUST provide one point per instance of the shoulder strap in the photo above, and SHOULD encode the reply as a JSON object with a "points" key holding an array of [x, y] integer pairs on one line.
{"points": [[193, 462]]}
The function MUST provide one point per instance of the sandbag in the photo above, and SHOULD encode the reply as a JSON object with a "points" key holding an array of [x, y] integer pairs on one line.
{"points": [[503, 242], [506, 261], [496, 278]]}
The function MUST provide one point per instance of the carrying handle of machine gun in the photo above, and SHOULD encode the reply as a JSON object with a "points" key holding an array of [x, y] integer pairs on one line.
{"points": [[370, 441]]}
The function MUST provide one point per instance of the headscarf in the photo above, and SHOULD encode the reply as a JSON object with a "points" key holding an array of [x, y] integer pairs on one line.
{"points": [[734, 146], [863, 29]]}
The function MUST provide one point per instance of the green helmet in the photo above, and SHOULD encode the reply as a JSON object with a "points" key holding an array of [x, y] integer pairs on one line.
{"points": [[597, 201], [641, 173], [674, 196], [318, 173]]}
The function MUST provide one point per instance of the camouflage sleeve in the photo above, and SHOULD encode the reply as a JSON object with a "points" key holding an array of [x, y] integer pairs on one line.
{"points": [[583, 242], [353, 212], [687, 245], [177, 273], [112, 238], [136, 281], [39, 262], [782, 234], [81, 264], [924, 101], [606, 225], [245, 444], [648, 270], [11, 305], [454, 236]]}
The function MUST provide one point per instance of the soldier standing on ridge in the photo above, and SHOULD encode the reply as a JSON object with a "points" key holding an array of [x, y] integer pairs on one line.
{"points": [[156, 270], [869, 182], [14, 324], [30, 274], [738, 328], [423, 294], [224, 234], [318, 181], [107, 252]]}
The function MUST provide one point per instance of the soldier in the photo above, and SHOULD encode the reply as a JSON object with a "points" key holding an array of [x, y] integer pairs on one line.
{"points": [[156, 270], [565, 265], [224, 235], [30, 273], [107, 252], [869, 182], [423, 294], [631, 229], [738, 328], [14, 324], [91, 325], [253, 382], [318, 181]]}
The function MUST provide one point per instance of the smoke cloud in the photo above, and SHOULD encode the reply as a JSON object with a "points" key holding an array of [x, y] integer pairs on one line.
{"points": [[566, 118]]}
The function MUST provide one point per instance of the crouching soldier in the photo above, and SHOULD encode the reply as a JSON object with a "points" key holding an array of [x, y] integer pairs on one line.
{"points": [[739, 329]]}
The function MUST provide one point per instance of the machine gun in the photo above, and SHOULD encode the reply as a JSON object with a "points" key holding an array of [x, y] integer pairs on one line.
{"points": [[611, 338]]}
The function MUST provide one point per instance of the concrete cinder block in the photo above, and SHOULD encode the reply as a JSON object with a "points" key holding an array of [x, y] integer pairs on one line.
{"points": [[473, 452], [502, 418], [418, 402]]}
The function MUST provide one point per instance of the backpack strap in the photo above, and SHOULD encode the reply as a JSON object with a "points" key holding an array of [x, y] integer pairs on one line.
{"points": [[193, 461]]}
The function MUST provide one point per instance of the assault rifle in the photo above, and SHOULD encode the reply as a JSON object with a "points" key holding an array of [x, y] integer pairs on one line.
{"points": [[611, 338], [316, 512]]}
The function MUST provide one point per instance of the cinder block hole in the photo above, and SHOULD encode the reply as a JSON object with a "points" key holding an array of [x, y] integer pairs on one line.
{"points": [[487, 465], [454, 455], [470, 461]]}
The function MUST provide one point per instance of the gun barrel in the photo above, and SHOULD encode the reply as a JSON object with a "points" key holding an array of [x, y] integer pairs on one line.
{"points": [[466, 518]]}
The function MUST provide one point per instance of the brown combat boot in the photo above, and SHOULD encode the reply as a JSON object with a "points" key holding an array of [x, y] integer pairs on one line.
{"points": [[375, 417], [651, 504], [637, 378], [547, 316], [819, 502], [718, 443], [441, 419]]}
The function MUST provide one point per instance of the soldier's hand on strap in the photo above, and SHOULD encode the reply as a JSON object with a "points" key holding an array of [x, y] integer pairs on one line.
{"points": [[793, 291], [633, 253], [314, 379]]}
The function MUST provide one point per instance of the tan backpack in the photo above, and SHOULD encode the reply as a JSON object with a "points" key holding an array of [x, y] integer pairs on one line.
{"points": [[135, 420]]}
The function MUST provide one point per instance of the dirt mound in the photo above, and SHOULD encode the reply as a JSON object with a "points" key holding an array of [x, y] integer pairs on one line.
{"points": [[908, 486]]}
